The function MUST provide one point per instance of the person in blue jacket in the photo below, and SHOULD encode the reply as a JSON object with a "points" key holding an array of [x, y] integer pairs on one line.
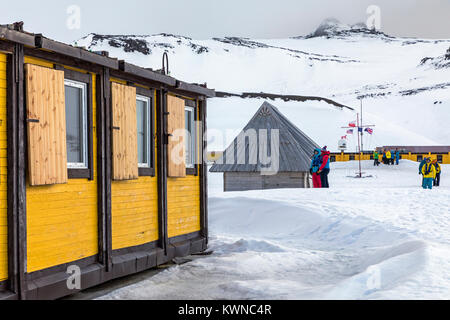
{"points": [[392, 157], [397, 157], [422, 163], [324, 169], [315, 165]]}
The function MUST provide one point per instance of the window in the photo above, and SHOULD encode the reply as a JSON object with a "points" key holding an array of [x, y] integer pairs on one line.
{"points": [[191, 138], [76, 124], [143, 111]]}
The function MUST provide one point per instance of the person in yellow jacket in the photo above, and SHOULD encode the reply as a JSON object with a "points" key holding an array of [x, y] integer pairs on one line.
{"points": [[437, 180], [388, 157], [429, 174]]}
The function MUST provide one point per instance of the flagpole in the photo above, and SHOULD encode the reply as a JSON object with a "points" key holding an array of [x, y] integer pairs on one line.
{"points": [[362, 134], [359, 148]]}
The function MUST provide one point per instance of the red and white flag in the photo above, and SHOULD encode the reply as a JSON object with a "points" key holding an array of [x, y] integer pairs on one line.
{"points": [[352, 124], [350, 131]]}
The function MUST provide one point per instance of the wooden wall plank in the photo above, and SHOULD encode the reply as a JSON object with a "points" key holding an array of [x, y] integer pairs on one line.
{"points": [[176, 146]]}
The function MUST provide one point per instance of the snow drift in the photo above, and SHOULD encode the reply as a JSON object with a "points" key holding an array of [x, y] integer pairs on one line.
{"points": [[378, 238]]}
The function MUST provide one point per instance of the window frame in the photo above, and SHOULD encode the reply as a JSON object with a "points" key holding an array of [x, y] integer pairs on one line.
{"points": [[150, 95], [86, 79], [83, 117], [147, 102], [191, 106]]}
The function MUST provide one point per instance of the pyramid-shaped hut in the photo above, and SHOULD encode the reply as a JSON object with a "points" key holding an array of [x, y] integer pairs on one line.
{"points": [[270, 153]]}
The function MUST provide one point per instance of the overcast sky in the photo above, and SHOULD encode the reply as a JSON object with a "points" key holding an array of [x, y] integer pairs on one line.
{"points": [[202, 19]]}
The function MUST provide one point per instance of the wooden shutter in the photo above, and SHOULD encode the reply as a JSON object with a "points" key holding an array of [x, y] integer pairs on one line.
{"points": [[125, 149], [46, 117], [177, 146]]}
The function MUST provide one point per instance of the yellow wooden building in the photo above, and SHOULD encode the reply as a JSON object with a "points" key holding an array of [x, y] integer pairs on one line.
{"points": [[443, 158], [101, 167]]}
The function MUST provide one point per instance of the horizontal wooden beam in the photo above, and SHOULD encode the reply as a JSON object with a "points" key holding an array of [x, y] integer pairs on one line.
{"points": [[17, 36], [195, 88], [78, 53], [146, 74]]}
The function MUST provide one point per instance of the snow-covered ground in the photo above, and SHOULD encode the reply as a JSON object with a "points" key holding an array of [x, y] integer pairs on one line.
{"points": [[375, 238]]}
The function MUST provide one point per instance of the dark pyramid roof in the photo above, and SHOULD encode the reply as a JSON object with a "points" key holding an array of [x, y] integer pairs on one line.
{"points": [[295, 151]]}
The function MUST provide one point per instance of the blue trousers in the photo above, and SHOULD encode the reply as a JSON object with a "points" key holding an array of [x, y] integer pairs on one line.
{"points": [[428, 183]]}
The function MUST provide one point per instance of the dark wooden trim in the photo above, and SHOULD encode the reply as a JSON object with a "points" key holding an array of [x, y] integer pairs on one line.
{"points": [[101, 191], [108, 164], [161, 125], [52, 283], [58, 47], [79, 174], [145, 92], [184, 237], [6, 46], [82, 263], [192, 104], [146, 74], [204, 172], [147, 172], [16, 36], [134, 80], [21, 172], [192, 171], [196, 89], [60, 59], [4, 285], [186, 94], [74, 75], [12, 160], [144, 247]]}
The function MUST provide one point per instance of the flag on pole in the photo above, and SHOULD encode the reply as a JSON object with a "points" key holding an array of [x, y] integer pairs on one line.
{"points": [[350, 131], [369, 130], [360, 129], [344, 137], [352, 124]]}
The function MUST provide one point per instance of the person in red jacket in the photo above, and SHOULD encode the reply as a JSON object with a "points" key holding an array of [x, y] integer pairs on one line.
{"points": [[324, 168]]}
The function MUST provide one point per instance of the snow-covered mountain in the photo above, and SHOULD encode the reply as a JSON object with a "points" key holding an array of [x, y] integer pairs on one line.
{"points": [[405, 82]]}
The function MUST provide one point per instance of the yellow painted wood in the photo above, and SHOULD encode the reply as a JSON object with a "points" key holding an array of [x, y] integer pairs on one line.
{"points": [[62, 220], [342, 157], [38, 62], [47, 155], [176, 127], [183, 202], [3, 173], [135, 210]]}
